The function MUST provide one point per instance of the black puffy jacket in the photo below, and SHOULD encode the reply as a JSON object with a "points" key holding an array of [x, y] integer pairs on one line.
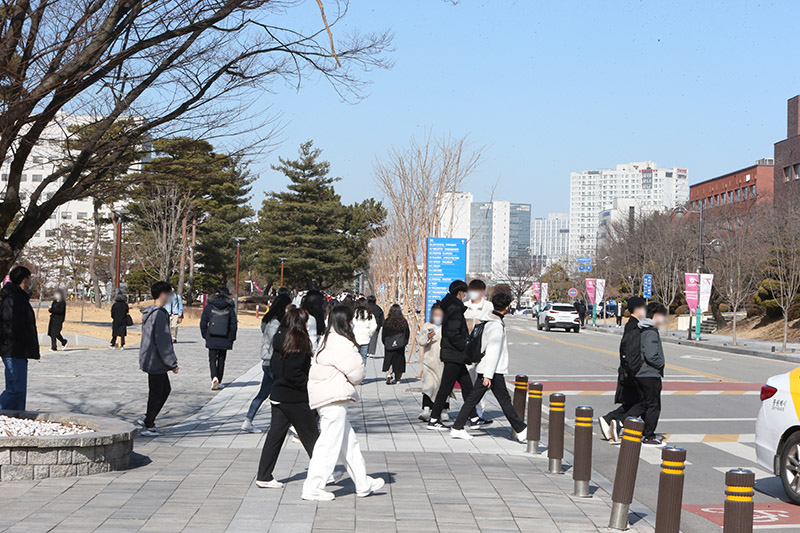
{"points": [[18, 336], [454, 331]]}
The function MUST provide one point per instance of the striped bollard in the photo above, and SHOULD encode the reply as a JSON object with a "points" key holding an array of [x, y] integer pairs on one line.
{"points": [[555, 434], [534, 417], [670, 490], [582, 467], [520, 388], [627, 468], [739, 501]]}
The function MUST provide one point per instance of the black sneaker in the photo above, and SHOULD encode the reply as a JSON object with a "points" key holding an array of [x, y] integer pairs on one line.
{"points": [[479, 423], [653, 442], [616, 430], [437, 425]]}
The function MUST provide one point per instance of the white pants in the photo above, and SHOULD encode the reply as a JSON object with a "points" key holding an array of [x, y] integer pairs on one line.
{"points": [[473, 375], [336, 443]]}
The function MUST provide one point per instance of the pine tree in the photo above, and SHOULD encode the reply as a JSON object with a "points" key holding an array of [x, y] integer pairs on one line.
{"points": [[324, 242]]}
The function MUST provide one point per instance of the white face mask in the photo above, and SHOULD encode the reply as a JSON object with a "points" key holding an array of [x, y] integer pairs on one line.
{"points": [[437, 320], [474, 296]]}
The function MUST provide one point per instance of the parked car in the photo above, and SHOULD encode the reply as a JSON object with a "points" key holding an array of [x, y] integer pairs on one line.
{"points": [[559, 315], [778, 430]]}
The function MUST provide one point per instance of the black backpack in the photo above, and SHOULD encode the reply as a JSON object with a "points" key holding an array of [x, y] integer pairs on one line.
{"points": [[475, 342], [219, 322], [396, 341]]}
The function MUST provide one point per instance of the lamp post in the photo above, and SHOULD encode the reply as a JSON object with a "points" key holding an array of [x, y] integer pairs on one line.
{"points": [[118, 250], [282, 260], [717, 244], [236, 276]]}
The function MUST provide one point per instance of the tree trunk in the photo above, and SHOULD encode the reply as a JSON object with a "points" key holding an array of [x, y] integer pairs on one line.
{"points": [[190, 290], [785, 329], [716, 299], [95, 251], [182, 268], [735, 308]]}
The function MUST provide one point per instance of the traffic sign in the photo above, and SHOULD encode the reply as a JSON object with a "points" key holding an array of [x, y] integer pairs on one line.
{"points": [[585, 260], [584, 268], [647, 286], [573, 292], [447, 262]]}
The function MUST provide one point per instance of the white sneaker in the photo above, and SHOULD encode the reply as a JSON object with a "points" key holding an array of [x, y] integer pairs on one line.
{"points": [[214, 384], [271, 484], [318, 496], [522, 437], [375, 484], [248, 426], [605, 428], [150, 432], [425, 414], [460, 434], [336, 476]]}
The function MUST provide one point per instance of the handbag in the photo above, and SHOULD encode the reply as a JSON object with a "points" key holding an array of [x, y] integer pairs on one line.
{"points": [[128, 320]]}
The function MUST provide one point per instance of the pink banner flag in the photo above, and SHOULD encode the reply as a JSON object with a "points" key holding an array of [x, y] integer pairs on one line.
{"points": [[259, 289], [537, 288], [590, 287], [692, 291]]}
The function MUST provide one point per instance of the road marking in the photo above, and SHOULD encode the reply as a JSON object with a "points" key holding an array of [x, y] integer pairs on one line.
{"points": [[748, 453], [702, 358], [706, 419]]}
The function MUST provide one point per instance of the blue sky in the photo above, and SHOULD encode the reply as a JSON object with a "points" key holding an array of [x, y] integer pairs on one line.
{"points": [[549, 87]]}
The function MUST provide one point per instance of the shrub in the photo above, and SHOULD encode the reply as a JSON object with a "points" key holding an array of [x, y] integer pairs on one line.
{"points": [[724, 308], [682, 310]]}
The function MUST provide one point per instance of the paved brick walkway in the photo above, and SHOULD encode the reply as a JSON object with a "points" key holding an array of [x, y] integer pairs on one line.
{"points": [[199, 477]]}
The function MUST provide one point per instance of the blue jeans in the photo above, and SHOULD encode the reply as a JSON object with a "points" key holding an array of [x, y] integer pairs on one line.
{"points": [[364, 350], [13, 398], [263, 392]]}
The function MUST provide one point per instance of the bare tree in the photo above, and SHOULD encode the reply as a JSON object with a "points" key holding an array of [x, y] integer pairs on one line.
{"points": [[782, 226], [667, 253], [160, 219], [522, 272], [136, 71]]}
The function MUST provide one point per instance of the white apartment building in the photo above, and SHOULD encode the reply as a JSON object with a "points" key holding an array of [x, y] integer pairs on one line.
{"points": [[550, 239], [591, 191], [621, 210]]}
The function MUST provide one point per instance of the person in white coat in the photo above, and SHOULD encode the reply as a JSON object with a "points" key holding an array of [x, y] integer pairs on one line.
{"points": [[429, 338], [335, 372], [364, 326], [491, 371], [477, 307]]}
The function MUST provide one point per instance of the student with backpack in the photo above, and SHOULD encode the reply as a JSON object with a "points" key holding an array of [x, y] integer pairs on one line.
{"points": [[491, 369], [395, 337], [651, 372], [218, 326]]}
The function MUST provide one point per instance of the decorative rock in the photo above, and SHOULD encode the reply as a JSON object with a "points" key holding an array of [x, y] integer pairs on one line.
{"points": [[24, 427]]}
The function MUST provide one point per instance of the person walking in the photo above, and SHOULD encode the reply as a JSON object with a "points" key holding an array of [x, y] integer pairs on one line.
{"points": [[429, 338], [269, 327], [582, 312], [290, 363], [335, 372], [314, 304], [395, 337], [627, 395], [120, 319], [19, 340], [377, 312], [651, 372], [58, 313], [364, 327], [157, 354], [453, 354], [175, 310], [477, 307], [491, 371], [218, 326], [618, 313]]}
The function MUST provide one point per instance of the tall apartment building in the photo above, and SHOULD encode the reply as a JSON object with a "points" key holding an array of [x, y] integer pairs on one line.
{"points": [[591, 191], [550, 239], [497, 233]]}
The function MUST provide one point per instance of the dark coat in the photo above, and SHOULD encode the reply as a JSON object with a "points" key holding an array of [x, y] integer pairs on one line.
{"points": [[629, 348], [377, 312], [213, 342], [454, 331], [119, 311], [18, 336], [290, 373], [156, 352], [58, 312]]}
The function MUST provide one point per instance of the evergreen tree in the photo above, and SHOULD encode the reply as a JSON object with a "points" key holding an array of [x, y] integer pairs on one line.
{"points": [[324, 242]]}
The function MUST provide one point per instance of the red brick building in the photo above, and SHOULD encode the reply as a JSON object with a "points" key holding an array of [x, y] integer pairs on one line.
{"points": [[787, 151], [741, 187]]}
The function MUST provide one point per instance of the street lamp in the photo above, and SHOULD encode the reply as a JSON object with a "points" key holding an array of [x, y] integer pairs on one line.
{"points": [[282, 260], [118, 251], [236, 277], [716, 245]]}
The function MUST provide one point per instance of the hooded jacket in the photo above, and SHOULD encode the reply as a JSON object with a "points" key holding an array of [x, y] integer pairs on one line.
{"points": [[652, 352], [156, 353], [18, 336], [454, 331], [335, 372], [494, 346], [224, 304], [268, 332]]}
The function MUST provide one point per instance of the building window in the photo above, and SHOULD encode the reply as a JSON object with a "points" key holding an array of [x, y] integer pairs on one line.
{"points": [[4, 177], [66, 215], [738, 195], [752, 191], [745, 193], [82, 215], [53, 216], [787, 173], [24, 177], [37, 177], [723, 197], [730, 197], [797, 171], [50, 233]]}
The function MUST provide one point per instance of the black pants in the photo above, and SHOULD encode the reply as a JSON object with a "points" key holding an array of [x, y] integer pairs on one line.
{"points": [[619, 320], [121, 340], [216, 363], [452, 372], [157, 397], [650, 405], [500, 392], [428, 402], [57, 337], [631, 402], [284, 415], [395, 361]]}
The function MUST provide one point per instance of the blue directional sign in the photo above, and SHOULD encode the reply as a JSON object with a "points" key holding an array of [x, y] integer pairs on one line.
{"points": [[584, 268], [447, 262], [647, 286], [585, 260]]}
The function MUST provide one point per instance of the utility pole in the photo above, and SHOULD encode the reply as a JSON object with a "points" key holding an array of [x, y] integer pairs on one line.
{"points": [[282, 260], [236, 276]]}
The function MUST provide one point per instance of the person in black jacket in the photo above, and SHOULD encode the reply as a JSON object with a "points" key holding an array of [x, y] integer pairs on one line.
{"points": [[395, 338], [58, 312], [218, 326], [628, 395], [455, 336], [377, 312], [19, 340], [291, 362], [119, 320]]}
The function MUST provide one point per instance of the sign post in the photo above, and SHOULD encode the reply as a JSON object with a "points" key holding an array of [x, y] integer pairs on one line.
{"points": [[706, 280], [545, 294], [692, 291], [584, 264], [446, 262], [590, 288], [599, 289], [647, 287], [537, 288]]}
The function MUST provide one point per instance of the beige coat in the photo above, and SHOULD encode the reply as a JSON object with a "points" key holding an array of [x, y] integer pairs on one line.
{"points": [[432, 365], [335, 372]]}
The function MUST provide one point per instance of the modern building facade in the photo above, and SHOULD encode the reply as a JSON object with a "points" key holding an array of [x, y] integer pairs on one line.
{"points": [[738, 188], [550, 239], [591, 191], [787, 151]]}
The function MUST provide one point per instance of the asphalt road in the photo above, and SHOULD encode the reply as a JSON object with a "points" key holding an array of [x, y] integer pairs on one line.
{"points": [[709, 407]]}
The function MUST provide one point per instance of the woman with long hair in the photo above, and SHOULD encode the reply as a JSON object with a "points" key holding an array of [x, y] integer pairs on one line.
{"points": [[58, 313], [314, 303], [395, 338], [120, 313], [336, 370], [269, 327], [364, 325], [291, 360]]}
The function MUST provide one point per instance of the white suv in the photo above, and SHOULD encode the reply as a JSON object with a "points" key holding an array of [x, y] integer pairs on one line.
{"points": [[556, 315], [778, 430]]}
